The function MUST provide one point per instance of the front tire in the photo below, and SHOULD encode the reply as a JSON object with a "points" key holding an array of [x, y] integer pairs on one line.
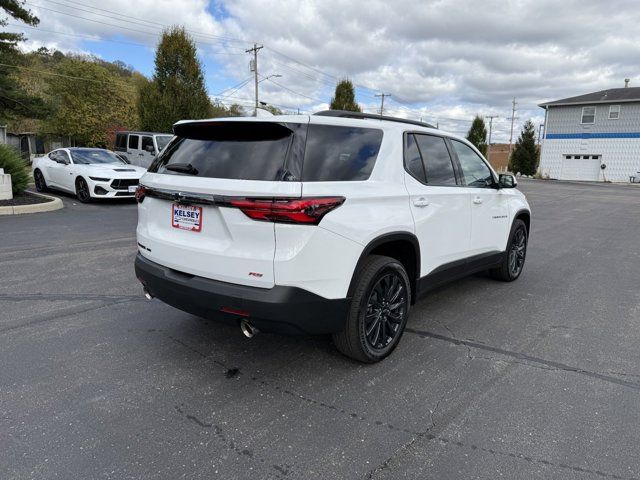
{"points": [[513, 261], [82, 190], [379, 311], [41, 184]]}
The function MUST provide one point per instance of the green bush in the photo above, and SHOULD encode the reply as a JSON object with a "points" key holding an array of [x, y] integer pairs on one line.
{"points": [[12, 164]]}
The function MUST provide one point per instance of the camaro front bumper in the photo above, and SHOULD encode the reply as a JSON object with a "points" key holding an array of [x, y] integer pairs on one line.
{"points": [[279, 309]]}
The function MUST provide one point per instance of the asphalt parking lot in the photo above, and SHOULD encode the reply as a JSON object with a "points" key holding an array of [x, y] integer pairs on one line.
{"points": [[535, 379]]}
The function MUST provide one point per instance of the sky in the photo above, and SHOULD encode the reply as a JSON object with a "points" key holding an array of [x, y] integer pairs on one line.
{"points": [[441, 61]]}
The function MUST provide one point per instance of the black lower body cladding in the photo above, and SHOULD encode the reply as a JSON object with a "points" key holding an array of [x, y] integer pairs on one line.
{"points": [[287, 310]]}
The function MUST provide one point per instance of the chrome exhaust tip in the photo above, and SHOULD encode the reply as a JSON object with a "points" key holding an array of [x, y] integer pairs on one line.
{"points": [[147, 295], [247, 329]]}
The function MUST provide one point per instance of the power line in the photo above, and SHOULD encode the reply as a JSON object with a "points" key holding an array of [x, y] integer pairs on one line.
{"points": [[68, 76], [297, 93], [119, 18], [97, 38]]}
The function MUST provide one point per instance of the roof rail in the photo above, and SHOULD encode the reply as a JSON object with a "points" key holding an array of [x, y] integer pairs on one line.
{"points": [[373, 116]]}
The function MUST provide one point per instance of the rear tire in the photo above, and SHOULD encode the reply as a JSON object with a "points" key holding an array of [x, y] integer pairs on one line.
{"points": [[41, 184], [82, 190], [378, 312], [513, 261]]}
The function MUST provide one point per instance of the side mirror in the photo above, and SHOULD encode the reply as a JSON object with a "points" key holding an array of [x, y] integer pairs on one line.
{"points": [[150, 149], [506, 180]]}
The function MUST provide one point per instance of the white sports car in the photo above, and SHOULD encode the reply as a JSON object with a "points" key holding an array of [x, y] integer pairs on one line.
{"points": [[87, 172]]}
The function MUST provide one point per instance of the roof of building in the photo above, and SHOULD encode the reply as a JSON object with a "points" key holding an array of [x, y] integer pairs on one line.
{"points": [[612, 95]]}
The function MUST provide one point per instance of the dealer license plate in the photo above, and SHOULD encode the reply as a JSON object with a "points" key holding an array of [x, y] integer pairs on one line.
{"points": [[186, 217]]}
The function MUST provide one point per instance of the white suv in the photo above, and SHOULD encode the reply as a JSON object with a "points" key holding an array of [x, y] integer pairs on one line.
{"points": [[331, 223]]}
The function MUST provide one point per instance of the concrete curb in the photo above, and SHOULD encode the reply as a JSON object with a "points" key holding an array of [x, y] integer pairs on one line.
{"points": [[54, 204]]}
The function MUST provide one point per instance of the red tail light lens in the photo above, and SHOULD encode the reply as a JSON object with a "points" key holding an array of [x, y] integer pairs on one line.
{"points": [[286, 210], [141, 192]]}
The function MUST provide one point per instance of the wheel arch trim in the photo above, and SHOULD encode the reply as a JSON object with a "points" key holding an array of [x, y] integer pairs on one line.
{"points": [[381, 240]]}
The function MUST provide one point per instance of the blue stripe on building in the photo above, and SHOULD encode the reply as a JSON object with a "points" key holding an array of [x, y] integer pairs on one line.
{"points": [[588, 135]]}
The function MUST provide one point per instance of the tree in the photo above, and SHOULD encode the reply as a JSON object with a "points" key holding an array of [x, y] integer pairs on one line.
{"points": [[89, 110], [13, 101], [271, 108], [478, 134], [524, 158], [177, 90], [345, 97]]}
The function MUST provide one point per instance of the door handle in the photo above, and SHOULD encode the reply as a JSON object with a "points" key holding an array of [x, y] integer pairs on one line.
{"points": [[477, 200], [421, 202]]}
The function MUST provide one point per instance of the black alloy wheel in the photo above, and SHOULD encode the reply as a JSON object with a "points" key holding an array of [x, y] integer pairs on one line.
{"points": [[378, 311], [82, 190], [41, 184], [517, 252], [515, 255], [386, 310]]}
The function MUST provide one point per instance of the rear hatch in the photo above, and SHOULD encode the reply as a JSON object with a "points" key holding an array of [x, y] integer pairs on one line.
{"points": [[202, 203]]}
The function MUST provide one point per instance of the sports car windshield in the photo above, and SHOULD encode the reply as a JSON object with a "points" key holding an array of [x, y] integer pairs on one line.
{"points": [[87, 156]]}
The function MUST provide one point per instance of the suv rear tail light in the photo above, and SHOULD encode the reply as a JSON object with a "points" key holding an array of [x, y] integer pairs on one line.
{"points": [[286, 210], [141, 192]]}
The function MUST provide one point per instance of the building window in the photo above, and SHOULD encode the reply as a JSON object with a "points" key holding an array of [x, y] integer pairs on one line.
{"points": [[588, 115], [582, 157], [614, 112]]}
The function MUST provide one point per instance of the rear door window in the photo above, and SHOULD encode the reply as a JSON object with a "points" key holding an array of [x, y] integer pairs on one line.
{"points": [[231, 150], [336, 153], [133, 142], [121, 141], [437, 161], [146, 143]]}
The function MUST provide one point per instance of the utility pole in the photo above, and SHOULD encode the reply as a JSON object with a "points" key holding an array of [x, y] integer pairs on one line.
{"points": [[254, 69], [382, 95], [490, 117], [540, 127], [513, 118]]}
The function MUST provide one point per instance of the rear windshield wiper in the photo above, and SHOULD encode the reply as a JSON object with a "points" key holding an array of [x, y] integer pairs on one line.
{"points": [[182, 168]]}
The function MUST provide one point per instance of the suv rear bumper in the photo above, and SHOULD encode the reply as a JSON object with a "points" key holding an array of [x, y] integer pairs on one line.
{"points": [[280, 309]]}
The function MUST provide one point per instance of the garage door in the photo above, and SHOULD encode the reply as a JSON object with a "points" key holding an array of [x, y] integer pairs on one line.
{"points": [[581, 167]]}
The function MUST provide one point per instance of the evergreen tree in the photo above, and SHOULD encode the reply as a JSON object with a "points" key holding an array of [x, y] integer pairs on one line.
{"points": [[478, 134], [177, 90], [345, 97], [524, 158], [13, 100]]}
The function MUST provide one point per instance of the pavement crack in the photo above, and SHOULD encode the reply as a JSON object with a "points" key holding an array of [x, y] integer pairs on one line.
{"points": [[526, 359], [229, 443], [65, 313]]}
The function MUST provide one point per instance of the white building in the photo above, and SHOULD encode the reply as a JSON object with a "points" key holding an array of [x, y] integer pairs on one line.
{"points": [[593, 137]]}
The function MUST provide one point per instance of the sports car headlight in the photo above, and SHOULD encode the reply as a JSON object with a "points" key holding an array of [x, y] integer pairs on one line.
{"points": [[99, 179]]}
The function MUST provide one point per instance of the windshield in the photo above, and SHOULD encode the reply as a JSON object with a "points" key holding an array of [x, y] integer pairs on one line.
{"points": [[162, 140], [86, 156]]}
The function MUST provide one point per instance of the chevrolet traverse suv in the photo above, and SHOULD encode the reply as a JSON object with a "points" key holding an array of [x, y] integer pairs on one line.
{"points": [[334, 223]]}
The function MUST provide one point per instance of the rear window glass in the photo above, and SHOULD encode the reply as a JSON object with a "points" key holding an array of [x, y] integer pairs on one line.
{"points": [[121, 140], [335, 153], [436, 159], [232, 150]]}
